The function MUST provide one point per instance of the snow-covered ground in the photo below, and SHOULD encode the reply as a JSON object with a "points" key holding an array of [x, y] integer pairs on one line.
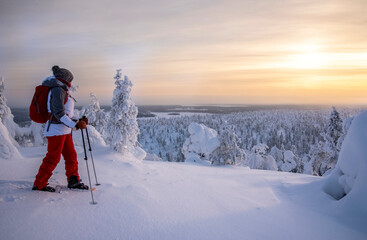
{"points": [[160, 200]]}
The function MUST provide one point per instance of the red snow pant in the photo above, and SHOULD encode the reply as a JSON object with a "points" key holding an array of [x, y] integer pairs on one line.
{"points": [[57, 145]]}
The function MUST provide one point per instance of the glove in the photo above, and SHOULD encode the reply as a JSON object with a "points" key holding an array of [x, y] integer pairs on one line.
{"points": [[85, 119], [81, 125]]}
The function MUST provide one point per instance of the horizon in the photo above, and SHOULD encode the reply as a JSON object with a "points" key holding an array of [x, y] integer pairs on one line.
{"points": [[224, 105], [191, 52]]}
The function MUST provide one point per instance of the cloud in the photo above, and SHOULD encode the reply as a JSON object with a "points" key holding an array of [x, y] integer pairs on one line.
{"points": [[174, 47]]}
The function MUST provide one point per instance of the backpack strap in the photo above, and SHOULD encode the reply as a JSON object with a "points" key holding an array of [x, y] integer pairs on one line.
{"points": [[52, 114], [49, 122]]}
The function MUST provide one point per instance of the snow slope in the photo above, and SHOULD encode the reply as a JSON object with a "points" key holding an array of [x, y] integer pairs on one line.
{"points": [[160, 200]]}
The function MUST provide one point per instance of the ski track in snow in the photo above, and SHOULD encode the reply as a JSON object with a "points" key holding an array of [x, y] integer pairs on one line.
{"points": [[160, 200]]}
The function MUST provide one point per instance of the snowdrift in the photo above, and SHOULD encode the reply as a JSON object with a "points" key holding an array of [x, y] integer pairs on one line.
{"points": [[144, 200], [348, 181]]}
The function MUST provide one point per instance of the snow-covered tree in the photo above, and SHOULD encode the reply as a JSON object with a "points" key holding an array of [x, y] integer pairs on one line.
{"points": [[6, 116], [122, 128], [277, 154], [289, 163], [335, 129], [287, 160], [228, 151], [8, 145], [201, 143], [97, 117], [319, 158], [37, 134], [327, 152], [4, 109], [298, 131], [258, 158]]}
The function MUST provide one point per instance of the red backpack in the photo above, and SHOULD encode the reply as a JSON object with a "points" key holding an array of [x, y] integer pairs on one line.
{"points": [[38, 109]]}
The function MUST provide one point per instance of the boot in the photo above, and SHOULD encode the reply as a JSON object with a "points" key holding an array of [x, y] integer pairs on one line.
{"points": [[45, 189], [74, 183]]}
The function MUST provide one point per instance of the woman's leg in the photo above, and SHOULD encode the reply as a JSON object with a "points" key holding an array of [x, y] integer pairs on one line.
{"points": [[70, 157], [52, 158]]}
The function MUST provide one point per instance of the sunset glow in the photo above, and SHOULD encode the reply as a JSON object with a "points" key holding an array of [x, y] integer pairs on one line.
{"points": [[192, 52]]}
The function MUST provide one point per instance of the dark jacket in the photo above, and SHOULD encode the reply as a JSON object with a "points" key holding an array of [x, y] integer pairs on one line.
{"points": [[59, 94]]}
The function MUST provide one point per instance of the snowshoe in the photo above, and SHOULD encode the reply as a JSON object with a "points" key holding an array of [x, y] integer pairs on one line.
{"points": [[74, 183], [45, 189]]}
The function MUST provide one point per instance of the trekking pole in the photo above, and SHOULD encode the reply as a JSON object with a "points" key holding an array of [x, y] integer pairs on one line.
{"points": [[91, 155], [86, 161]]}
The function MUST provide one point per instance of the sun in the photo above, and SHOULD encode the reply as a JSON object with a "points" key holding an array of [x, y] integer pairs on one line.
{"points": [[307, 57], [311, 60]]}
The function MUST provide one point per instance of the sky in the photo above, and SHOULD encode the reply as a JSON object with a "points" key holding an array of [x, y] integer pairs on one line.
{"points": [[190, 52]]}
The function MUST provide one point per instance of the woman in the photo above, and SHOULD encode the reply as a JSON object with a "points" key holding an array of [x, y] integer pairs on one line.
{"points": [[58, 132]]}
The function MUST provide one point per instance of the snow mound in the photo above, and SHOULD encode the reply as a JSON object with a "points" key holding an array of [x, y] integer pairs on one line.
{"points": [[95, 138], [139, 153], [192, 157], [202, 142], [349, 177]]}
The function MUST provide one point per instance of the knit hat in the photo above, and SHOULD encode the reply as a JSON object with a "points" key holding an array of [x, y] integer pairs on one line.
{"points": [[63, 75]]}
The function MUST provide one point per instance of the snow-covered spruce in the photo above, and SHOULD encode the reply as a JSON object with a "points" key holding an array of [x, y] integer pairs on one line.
{"points": [[122, 127], [324, 155]]}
